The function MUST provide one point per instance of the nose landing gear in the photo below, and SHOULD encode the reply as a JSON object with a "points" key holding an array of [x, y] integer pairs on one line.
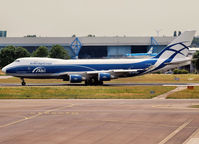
{"points": [[23, 83]]}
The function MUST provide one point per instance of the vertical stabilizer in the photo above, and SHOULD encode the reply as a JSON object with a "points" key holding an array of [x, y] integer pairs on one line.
{"points": [[178, 48], [150, 51], [176, 51]]}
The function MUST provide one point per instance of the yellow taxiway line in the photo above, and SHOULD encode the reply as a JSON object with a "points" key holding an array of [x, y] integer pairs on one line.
{"points": [[34, 116]]}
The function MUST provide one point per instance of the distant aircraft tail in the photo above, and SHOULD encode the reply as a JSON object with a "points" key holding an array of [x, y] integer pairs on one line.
{"points": [[178, 48], [150, 51]]}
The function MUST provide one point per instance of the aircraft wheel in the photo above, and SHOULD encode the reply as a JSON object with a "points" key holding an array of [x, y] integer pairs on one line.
{"points": [[23, 83], [97, 82], [100, 83], [93, 82], [90, 82], [86, 82]]}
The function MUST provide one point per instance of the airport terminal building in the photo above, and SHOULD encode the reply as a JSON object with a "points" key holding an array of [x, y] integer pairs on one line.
{"points": [[92, 47], [95, 47]]}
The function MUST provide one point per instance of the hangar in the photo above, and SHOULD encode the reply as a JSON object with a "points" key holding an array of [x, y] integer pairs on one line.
{"points": [[92, 47]]}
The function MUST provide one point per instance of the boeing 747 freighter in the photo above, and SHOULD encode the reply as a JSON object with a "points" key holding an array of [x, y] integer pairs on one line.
{"points": [[95, 71]]}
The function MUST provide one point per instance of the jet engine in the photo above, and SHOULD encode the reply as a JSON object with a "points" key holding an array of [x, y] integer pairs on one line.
{"points": [[75, 78], [104, 76]]}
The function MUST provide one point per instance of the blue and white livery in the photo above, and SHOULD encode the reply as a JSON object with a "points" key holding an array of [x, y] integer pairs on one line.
{"points": [[95, 71]]}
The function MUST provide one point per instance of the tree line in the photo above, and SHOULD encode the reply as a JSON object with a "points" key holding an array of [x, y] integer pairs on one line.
{"points": [[11, 53]]}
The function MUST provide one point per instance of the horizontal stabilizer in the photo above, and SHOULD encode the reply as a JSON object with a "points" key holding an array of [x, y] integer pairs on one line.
{"points": [[178, 62]]}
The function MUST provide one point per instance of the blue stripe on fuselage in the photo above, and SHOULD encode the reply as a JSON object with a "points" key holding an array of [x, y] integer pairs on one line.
{"points": [[80, 67]]}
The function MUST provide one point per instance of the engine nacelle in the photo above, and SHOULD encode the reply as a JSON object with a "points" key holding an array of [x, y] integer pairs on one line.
{"points": [[75, 78], [104, 76]]}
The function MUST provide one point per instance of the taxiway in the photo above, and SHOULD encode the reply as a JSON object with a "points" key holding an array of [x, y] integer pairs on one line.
{"points": [[98, 121]]}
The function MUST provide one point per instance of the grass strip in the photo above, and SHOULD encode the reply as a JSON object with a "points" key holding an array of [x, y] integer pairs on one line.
{"points": [[149, 78], [186, 94], [160, 78], [194, 106], [28, 81], [78, 92]]}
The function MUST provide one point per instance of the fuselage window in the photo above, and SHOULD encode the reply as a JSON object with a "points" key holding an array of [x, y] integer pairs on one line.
{"points": [[17, 61]]}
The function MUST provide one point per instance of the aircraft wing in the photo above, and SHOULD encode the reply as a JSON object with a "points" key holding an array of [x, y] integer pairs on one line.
{"points": [[114, 72]]}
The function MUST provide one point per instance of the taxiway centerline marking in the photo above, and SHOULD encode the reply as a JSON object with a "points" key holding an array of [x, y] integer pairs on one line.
{"points": [[173, 107], [34, 116]]}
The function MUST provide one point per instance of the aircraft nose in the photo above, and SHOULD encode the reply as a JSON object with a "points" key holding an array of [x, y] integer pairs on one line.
{"points": [[4, 69]]}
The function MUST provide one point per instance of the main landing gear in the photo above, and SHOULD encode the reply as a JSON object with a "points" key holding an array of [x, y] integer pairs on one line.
{"points": [[93, 81], [23, 83]]}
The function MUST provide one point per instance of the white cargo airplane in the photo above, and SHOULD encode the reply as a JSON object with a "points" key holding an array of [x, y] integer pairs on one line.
{"points": [[95, 71]]}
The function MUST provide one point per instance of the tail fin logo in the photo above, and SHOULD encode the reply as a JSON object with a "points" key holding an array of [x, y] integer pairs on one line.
{"points": [[176, 51], [178, 48]]}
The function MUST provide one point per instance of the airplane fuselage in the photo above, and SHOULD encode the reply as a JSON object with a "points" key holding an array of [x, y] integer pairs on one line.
{"points": [[48, 67]]}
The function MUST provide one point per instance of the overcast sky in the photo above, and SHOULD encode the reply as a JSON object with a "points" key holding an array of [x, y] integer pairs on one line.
{"points": [[98, 17]]}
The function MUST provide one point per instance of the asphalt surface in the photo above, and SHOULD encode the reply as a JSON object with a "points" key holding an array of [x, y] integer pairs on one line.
{"points": [[107, 84], [98, 121]]}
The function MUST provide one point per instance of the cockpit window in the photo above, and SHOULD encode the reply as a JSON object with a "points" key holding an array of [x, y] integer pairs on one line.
{"points": [[17, 60]]}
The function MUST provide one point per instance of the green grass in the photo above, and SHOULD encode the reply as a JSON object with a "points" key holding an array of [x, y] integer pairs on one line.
{"points": [[194, 106], [160, 78], [149, 78], [2, 74], [28, 81], [78, 92], [186, 94], [132, 92]]}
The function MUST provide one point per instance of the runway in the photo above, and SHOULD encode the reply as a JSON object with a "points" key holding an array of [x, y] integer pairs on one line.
{"points": [[106, 84], [98, 121]]}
